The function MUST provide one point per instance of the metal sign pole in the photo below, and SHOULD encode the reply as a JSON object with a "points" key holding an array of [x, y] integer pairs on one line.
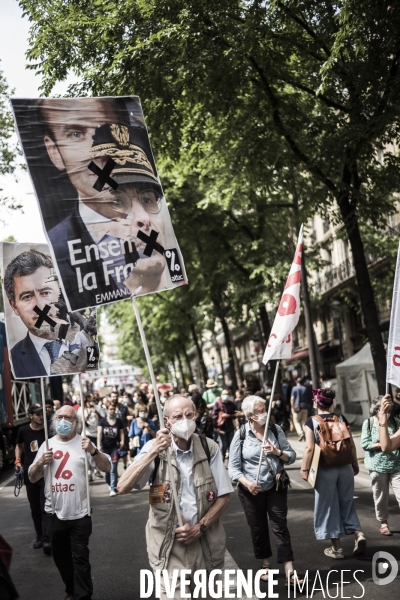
{"points": [[268, 418], [46, 435], [84, 435], [159, 408]]}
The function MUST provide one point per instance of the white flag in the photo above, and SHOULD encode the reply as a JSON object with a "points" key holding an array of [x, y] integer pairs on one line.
{"points": [[288, 314], [393, 352]]}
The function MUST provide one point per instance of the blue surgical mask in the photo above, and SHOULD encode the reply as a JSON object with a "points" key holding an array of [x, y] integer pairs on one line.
{"points": [[225, 398], [63, 427]]}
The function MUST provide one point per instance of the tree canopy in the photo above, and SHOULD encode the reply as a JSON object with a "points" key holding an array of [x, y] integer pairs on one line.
{"points": [[248, 103], [8, 152]]}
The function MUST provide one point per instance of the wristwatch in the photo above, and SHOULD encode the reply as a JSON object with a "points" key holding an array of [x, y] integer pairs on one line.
{"points": [[203, 528], [94, 453]]}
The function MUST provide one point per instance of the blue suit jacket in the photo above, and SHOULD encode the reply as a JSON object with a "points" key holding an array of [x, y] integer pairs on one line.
{"points": [[25, 360]]}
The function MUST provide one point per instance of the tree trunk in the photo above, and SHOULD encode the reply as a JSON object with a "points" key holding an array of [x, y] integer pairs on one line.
{"points": [[266, 326], [368, 305], [221, 363], [189, 366], [199, 353], [181, 369], [228, 344], [236, 362]]}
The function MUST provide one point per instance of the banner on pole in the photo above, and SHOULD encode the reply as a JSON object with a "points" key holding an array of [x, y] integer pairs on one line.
{"points": [[393, 351], [44, 338], [288, 313], [100, 198]]}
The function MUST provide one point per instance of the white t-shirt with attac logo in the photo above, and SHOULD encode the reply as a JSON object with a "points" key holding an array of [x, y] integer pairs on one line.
{"points": [[68, 477]]}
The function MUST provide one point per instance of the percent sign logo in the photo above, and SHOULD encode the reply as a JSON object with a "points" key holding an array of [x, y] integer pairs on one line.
{"points": [[173, 262], [65, 474]]}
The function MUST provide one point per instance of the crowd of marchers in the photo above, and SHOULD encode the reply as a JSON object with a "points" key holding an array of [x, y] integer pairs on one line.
{"points": [[216, 441]]}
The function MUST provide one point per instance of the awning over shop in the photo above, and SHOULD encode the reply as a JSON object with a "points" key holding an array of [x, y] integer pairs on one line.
{"points": [[304, 352]]}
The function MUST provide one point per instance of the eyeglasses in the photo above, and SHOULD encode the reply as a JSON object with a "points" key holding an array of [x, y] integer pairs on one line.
{"points": [[66, 418], [149, 199], [189, 416]]}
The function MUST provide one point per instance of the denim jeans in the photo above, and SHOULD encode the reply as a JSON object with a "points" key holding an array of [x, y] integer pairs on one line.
{"points": [[225, 441], [334, 512], [112, 476]]}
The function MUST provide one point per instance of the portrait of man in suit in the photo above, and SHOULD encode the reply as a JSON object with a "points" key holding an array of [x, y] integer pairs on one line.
{"points": [[56, 342], [112, 243]]}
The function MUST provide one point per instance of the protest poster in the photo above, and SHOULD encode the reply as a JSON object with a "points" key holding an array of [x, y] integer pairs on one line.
{"points": [[100, 198], [44, 338]]}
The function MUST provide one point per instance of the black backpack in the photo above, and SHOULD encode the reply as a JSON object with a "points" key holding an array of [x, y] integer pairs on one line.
{"points": [[204, 443]]}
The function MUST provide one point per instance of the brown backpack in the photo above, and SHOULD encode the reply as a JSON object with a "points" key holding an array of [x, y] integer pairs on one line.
{"points": [[334, 441]]}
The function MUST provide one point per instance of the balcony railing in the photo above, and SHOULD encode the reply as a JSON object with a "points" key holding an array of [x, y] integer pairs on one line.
{"points": [[333, 276]]}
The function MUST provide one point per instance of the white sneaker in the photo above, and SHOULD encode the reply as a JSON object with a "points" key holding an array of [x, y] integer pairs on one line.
{"points": [[112, 493], [360, 545], [334, 553]]}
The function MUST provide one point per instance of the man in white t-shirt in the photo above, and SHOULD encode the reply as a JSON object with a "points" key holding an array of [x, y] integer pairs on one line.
{"points": [[71, 525]]}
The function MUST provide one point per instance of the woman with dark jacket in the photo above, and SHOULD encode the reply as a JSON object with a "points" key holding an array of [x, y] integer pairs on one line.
{"points": [[223, 414]]}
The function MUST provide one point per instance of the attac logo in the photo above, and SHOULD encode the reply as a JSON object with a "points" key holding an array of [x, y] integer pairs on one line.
{"points": [[174, 265], [63, 473], [92, 355]]}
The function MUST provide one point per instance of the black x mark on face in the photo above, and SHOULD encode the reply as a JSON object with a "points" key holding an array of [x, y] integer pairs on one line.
{"points": [[43, 316], [103, 175], [151, 243]]}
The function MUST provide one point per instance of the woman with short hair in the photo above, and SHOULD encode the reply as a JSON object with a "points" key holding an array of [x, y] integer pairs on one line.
{"points": [[334, 511], [262, 499]]}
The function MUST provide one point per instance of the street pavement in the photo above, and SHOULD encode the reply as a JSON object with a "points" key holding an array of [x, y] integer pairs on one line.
{"points": [[118, 547]]}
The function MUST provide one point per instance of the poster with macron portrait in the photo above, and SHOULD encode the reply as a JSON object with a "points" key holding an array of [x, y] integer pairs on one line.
{"points": [[100, 198]]}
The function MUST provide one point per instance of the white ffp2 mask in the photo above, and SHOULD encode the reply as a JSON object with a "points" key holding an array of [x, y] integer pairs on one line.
{"points": [[184, 429]]}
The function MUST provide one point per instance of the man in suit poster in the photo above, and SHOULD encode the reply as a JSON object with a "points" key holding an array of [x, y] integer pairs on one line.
{"points": [[44, 339], [100, 197]]}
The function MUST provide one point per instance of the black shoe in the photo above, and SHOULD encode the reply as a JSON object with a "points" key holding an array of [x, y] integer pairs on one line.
{"points": [[47, 548], [38, 544]]}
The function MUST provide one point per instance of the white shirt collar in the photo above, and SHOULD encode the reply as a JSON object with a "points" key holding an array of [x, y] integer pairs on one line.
{"points": [[90, 216], [38, 342], [176, 448]]}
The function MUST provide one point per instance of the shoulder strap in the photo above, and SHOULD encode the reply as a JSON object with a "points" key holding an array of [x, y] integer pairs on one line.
{"points": [[242, 436], [370, 423], [206, 448], [156, 465], [275, 432]]}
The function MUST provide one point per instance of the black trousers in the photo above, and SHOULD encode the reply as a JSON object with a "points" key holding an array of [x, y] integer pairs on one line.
{"points": [[70, 540], [256, 509], [36, 499]]}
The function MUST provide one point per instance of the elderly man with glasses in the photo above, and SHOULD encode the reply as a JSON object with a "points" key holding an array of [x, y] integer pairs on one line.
{"points": [[203, 488], [63, 467]]}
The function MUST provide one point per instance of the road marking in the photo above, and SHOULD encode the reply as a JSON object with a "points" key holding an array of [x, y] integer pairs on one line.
{"points": [[363, 480], [7, 481], [300, 484]]}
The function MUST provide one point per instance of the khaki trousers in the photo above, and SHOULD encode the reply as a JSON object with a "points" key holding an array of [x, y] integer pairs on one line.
{"points": [[183, 557], [380, 491], [299, 420]]}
